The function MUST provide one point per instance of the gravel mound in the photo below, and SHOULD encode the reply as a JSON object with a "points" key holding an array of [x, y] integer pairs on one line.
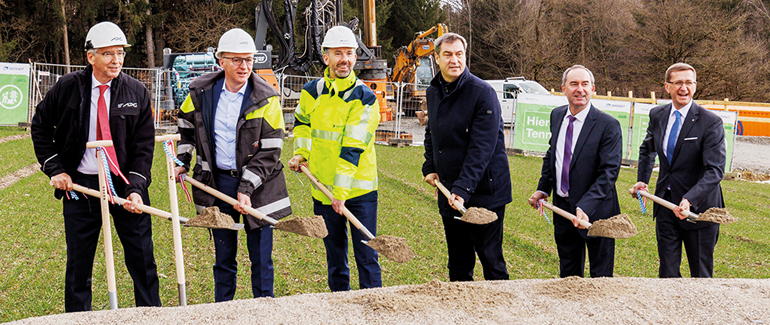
{"points": [[571, 300]]}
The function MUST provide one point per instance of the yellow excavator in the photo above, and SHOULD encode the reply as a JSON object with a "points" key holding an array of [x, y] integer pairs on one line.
{"points": [[415, 68]]}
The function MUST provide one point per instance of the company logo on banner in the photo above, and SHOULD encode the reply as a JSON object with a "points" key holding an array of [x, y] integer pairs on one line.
{"points": [[14, 85]]}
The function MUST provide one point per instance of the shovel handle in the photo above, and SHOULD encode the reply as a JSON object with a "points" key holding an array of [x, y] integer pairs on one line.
{"points": [[141, 207], [667, 204], [166, 137], [329, 194], [565, 214], [227, 199], [459, 206]]}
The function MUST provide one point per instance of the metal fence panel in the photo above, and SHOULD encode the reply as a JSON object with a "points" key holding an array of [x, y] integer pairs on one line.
{"points": [[44, 75]]}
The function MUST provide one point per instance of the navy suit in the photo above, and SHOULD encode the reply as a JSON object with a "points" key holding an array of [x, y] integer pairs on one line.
{"points": [[593, 171], [696, 168]]}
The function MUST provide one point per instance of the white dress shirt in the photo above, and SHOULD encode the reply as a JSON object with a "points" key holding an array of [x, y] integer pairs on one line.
{"points": [[577, 125], [89, 163]]}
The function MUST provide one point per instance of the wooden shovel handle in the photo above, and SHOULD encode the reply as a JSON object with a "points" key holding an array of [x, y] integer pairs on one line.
{"points": [[140, 207], [329, 194], [227, 199], [166, 137], [459, 206], [665, 203], [565, 214]]}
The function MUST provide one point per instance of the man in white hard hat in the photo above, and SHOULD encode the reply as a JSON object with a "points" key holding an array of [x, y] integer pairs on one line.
{"points": [[100, 103], [234, 121], [338, 115]]}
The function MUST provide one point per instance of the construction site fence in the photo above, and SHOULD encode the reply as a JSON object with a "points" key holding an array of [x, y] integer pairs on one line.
{"points": [[44, 75]]}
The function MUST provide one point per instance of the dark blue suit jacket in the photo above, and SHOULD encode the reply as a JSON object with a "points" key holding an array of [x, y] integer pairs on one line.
{"points": [[698, 162], [594, 166], [464, 142]]}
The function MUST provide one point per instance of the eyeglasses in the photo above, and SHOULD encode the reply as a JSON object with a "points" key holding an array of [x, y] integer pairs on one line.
{"points": [[238, 61], [118, 54], [680, 83]]}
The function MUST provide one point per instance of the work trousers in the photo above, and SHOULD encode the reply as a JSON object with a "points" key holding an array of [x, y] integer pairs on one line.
{"points": [[465, 240], [571, 246], [82, 226], [364, 208], [699, 244], [259, 243]]}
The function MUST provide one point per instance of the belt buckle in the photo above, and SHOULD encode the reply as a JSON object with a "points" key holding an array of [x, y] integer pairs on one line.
{"points": [[233, 173]]}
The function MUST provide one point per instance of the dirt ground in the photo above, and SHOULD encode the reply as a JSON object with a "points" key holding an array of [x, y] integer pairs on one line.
{"points": [[554, 301]]}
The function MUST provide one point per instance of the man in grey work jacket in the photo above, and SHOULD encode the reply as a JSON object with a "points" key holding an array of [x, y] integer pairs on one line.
{"points": [[465, 150], [233, 120]]}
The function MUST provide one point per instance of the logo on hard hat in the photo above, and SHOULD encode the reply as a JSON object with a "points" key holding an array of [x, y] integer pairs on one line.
{"points": [[243, 43], [117, 38]]}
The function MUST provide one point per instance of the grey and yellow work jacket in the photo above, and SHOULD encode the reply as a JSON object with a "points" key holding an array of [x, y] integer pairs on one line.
{"points": [[258, 144]]}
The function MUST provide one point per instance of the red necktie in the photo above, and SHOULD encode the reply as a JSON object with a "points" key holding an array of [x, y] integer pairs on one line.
{"points": [[103, 129]]}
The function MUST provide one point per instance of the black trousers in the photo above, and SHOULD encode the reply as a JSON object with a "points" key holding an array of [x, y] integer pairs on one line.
{"points": [[571, 245], [82, 226], [465, 240], [699, 244]]}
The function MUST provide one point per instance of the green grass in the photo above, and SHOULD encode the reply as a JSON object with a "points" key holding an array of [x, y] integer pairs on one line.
{"points": [[11, 130], [33, 250], [16, 154]]}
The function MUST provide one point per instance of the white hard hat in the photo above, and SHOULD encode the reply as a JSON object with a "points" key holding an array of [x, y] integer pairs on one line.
{"points": [[236, 40], [105, 34], [339, 36]]}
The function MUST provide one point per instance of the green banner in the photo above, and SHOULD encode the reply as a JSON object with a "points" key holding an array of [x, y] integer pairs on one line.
{"points": [[14, 92], [642, 118], [532, 131]]}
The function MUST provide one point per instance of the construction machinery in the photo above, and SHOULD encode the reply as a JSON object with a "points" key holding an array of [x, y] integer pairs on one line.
{"points": [[414, 69]]}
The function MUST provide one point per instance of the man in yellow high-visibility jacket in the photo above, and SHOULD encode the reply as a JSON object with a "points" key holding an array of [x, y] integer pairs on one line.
{"points": [[336, 119]]}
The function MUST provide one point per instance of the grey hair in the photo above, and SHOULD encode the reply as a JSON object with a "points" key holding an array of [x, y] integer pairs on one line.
{"points": [[449, 38], [679, 67], [92, 51], [577, 66]]}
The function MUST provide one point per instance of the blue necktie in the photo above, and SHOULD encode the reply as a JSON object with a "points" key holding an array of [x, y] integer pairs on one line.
{"points": [[567, 157], [672, 137]]}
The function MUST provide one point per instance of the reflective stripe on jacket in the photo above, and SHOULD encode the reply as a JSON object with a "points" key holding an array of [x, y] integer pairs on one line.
{"points": [[334, 131], [258, 144]]}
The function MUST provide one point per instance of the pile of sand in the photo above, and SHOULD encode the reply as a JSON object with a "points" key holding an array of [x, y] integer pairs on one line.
{"points": [[619, 226], [751, 176], [394, 248], [557, 301], [479, 216], [211, 218], [311, 226], [716, 215]]}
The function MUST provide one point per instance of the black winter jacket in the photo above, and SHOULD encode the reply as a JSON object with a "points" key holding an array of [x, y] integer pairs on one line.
{"points": [[61, 121], [464, 142]]}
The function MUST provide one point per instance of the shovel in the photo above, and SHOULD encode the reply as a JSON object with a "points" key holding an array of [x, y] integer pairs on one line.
{"points": [[479, 216], [312, 227], [619, 226], [141, 207], [180, 277], [715, 215], [392, 247], [109, 259]]}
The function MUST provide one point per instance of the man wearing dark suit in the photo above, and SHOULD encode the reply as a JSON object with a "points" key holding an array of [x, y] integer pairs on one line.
{"points": [[581, 168], [690, 141]]}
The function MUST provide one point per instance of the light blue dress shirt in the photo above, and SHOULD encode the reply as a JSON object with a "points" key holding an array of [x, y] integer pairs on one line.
{"points": [[225, 123]]}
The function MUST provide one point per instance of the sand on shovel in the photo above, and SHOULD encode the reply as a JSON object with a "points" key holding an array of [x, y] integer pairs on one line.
{"points": [[479, 216], [310, 226], [619, 227], [211, 218], [716, 215], [394, 248]]}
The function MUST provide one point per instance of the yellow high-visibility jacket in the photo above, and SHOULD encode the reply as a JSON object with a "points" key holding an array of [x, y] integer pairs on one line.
{"points": [[334, 128]]}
